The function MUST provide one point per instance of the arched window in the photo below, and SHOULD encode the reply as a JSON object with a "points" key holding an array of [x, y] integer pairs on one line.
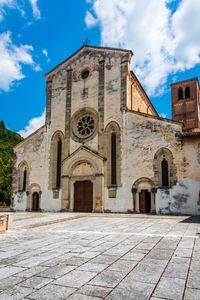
{"points": [[165, 175], [187, 92], [23, 176], [180, 94], [56, 150], [165, 171], [59, 155], [113, 159], [112, 150], [24, 180]]}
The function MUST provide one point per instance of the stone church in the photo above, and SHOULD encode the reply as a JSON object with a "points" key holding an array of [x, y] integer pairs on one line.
{"points": [[104, 148]]}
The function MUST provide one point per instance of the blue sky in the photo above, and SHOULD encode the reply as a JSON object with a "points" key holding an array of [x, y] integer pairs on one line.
{"points": [[36, 35]]}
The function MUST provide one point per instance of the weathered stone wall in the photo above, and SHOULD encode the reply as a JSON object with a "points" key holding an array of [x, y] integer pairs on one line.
{"points": [[142, 137]]}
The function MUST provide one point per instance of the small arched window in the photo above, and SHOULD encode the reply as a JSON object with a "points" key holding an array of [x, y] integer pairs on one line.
{"points": [[187, 92], [59, 155], [113, 159], [165, 175], [24, 180], [180, 94]]}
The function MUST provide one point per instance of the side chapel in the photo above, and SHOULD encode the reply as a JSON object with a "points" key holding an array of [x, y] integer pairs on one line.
{"points": [[104, 148]]}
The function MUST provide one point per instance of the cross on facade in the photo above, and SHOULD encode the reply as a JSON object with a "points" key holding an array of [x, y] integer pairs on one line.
{"points": [[86, 41]]}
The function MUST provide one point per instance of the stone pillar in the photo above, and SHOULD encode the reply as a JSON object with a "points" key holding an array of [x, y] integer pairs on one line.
{"points": [[28, 201], [48, 101], [65, 202], [101, 106], [9, 222], [134, 191], [68, 114], [124, 74], [99, 193], [153, 198]]}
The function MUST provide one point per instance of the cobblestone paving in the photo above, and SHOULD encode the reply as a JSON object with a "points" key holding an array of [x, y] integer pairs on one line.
{"points": [[100, 257]]}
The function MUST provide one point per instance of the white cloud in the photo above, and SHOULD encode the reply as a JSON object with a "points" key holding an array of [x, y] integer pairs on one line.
{"points": [[36, 11], [12, 58], [4, 3], [163, 42], [33, 125], [163, 115], [44, 51], [89, 19]]}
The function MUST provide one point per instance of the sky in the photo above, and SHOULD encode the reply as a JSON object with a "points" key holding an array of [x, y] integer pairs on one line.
{"points": [[37, 35]]}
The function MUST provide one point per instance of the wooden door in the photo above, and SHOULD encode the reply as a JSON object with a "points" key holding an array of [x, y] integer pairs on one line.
{"points": [[35, 203], [142, 201], [83, 196]]}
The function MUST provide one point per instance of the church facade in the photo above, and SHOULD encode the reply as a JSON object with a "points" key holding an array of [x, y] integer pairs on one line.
{"points": [[104, 148]]}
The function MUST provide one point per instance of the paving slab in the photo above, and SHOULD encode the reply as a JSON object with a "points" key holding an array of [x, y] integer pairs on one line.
{"points": [[100, 256]]}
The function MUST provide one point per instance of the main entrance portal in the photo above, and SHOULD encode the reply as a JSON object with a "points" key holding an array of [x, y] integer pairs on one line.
{"points": [[83, 196], [145, 201]]}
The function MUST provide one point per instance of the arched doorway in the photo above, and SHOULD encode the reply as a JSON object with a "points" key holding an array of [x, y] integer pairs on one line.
{"points": [[83, 196], [35, 201], [143, 191]]}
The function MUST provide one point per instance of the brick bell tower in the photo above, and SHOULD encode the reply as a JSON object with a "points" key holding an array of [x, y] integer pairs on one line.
{"points": [[185, 104]]}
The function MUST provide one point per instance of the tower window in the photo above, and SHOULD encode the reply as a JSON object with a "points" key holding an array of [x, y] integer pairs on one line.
{"points": [[113, 159], [180, 94], [59, 154], [187, 92], [164, 166]]}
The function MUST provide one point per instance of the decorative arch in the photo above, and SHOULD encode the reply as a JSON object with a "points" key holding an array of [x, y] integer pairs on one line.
{"points": [[164, 168], [112, 147], [56, 155], [89, 169], [23, 176], [141, 180]]}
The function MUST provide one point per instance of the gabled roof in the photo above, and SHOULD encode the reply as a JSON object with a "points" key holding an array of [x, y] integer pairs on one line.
{"points": [[91, 151], [92, 47]]}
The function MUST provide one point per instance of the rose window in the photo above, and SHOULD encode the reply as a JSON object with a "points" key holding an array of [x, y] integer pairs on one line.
{"points": [[86, 125]]}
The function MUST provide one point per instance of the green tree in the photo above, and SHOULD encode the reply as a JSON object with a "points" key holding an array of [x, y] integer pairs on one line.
{"points": [[8, 140]]}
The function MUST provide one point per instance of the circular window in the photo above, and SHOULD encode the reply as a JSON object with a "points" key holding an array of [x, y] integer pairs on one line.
{"points": [[86, 125], [85, 74]]}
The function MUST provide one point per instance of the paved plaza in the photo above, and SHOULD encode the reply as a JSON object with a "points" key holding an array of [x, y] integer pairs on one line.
{"points": [[100, 256]]}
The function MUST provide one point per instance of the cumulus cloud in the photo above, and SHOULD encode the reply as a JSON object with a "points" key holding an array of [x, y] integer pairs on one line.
{"points": [[36, 11], [3, 4], [164, 41], [89, 19], [18, 4], [33, 125], [44, 51], [12, 58]]}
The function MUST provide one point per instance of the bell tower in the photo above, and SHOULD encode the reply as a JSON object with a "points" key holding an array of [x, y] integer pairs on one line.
{"points": [[185, 103]]}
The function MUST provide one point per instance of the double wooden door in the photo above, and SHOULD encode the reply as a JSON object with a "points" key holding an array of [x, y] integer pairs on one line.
{"points": [[83, 196]]}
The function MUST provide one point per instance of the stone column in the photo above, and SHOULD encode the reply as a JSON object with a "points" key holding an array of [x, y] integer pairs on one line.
{"points": [[65, 202], [99, 193], [134, 191], [153, 198], [101, 105], [48, 101]]}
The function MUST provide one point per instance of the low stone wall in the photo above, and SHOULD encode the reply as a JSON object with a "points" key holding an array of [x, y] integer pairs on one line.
{"points": [[6, 221]]}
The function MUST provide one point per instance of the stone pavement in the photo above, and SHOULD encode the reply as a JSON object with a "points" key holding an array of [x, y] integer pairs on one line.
{"points": [[100, 256]]}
